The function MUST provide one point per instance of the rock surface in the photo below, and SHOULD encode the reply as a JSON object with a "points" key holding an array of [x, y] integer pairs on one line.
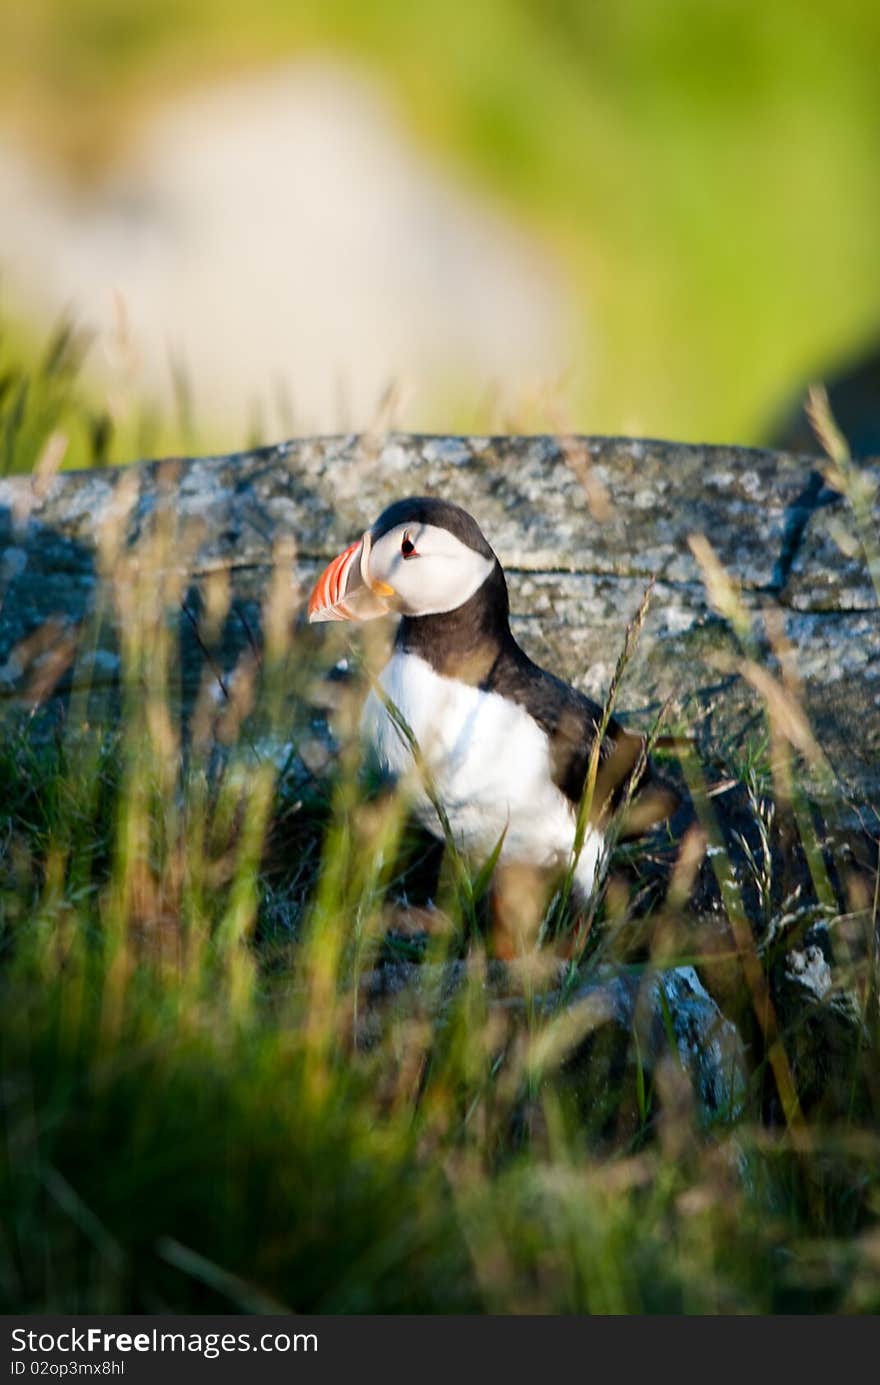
{"points": [[580, 525]]}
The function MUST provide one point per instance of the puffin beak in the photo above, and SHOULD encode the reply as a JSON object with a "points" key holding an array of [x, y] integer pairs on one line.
{"points": [[345, 590]]}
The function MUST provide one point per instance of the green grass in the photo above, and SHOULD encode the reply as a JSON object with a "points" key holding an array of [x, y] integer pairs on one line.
{"points": [[50, 419], [203, 1109], [705, 173]]}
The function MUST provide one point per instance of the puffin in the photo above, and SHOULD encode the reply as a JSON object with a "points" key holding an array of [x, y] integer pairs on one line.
{"points": [[504, 745]]}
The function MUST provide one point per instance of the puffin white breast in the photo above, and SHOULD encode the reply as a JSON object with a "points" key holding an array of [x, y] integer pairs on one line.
{"points": [[490, 765]]}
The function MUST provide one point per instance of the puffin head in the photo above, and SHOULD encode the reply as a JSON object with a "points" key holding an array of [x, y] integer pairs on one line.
{"points": [[422, 557]]}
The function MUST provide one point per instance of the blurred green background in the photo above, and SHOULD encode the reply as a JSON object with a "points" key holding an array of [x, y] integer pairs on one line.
{"points": [[700, 180]]}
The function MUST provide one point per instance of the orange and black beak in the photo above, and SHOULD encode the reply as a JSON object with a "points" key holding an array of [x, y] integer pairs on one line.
{"points": [[345, 590]]}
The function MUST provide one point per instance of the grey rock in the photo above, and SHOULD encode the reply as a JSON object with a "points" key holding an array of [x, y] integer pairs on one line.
{"points": [[606, 1034], [636, 1043], [709, 1048], [613, 1029], [580, 524], [825, 1035]]}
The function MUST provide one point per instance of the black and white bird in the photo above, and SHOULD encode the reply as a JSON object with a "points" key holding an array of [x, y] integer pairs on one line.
{"points": [[507, 744]]}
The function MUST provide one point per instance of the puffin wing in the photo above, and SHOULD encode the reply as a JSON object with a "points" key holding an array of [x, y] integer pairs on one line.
{"points": [[571, 722], [572, 734]]}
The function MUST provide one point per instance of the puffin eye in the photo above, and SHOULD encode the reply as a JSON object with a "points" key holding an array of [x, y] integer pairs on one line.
{"points": [[408, 548]]}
